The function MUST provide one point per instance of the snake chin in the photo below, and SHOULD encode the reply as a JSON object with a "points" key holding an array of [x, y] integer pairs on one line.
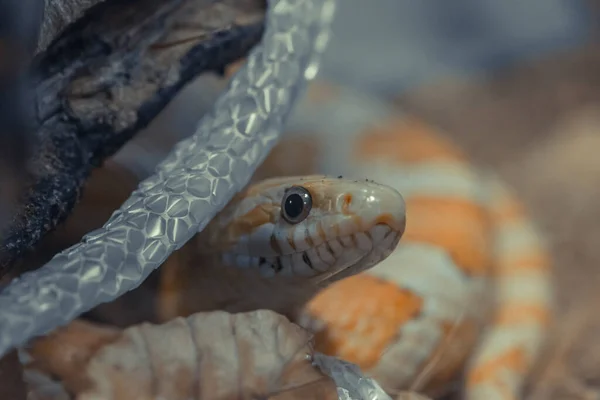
{"points": [[387, 241]]}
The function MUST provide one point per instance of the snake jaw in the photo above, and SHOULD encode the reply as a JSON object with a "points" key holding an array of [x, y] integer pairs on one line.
{"points": [[360, 262], [352, 226]]}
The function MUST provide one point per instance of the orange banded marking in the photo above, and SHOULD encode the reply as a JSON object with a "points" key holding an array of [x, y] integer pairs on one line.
{"points": [[515, 314], [247, 223], [362, 314], [514, 360], [534, 262], [226, 236], [508, 211], [461, 228], [405, 141], [174, 279]]}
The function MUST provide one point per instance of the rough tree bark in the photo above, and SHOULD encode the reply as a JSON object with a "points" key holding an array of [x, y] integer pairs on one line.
{"points": [[105, 78]]}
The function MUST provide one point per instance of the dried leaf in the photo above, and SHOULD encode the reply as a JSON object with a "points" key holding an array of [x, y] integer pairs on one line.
{"points": [[217, 355]]}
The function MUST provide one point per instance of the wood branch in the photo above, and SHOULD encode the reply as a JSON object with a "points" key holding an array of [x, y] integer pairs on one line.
{"points": [[105, 78]]}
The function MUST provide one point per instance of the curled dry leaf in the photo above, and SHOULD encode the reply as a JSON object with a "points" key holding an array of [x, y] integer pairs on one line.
{"points": [[217, 355], [67, 352]]}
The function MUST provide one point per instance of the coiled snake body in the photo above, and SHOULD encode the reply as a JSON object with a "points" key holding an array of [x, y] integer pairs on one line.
{"points": [[467, 289]]}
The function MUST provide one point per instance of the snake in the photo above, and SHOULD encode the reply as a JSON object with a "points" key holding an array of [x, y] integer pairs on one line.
{"points": [[466, 293]]}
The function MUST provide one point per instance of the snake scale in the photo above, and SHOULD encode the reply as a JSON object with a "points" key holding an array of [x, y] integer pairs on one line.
{"points": [[467, 289]]}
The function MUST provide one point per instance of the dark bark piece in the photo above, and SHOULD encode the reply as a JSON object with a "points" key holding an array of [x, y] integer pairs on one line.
{"points": [[58, 14], [105, 78]]}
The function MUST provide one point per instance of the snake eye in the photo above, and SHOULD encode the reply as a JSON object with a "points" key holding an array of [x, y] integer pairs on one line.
{"points": [[296, 204]]}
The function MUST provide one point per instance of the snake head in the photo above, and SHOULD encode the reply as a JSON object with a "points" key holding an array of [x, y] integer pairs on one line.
{"points": [[314, 227]]}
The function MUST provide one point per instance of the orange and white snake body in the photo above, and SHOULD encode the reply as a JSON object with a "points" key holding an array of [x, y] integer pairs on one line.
{"points": [[467, 290]]}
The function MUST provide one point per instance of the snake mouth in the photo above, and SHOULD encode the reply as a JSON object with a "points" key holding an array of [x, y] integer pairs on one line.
{"points": [[382, 246], [328, 261]]}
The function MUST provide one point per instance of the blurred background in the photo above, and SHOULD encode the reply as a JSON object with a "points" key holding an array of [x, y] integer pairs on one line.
{"points": [[392, 47], [516, 83]]}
